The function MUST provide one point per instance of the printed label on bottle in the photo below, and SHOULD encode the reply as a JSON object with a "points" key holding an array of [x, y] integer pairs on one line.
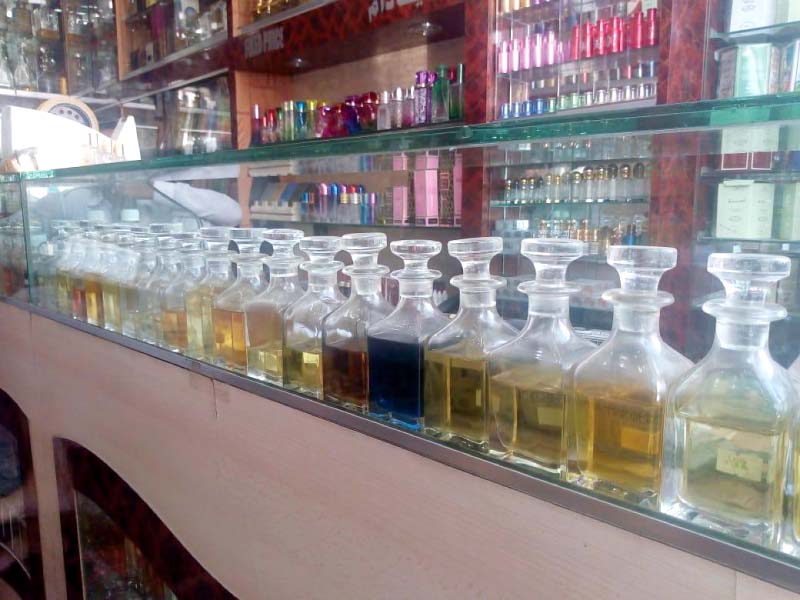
{"points": [[740, 464], [638, 440], [309, 358], [549, 416], [271, 362]]}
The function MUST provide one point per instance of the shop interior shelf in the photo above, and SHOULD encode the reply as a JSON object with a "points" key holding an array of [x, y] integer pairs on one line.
{"points": [[774, 33]]}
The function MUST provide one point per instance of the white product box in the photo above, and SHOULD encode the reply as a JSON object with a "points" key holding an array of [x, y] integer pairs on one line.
{"points": [[787, 213], [744, 209], [750, 14], [749, 147]]}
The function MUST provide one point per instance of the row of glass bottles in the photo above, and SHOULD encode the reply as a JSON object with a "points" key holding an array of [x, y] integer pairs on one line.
{"points": [[712, 443]]}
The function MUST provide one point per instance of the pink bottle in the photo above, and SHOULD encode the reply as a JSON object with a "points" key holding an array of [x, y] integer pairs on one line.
{"points": [[537, 49], [527, 52], [503, 57], [516, 52]]}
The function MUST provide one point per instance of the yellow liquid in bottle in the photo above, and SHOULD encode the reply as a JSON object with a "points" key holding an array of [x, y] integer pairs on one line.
{"points": [[130, 312], [194, 324], [173, 323], [735, 472], [94, 301], [618, 435], [229, 339], [303, 368], [529, 415], [265, 343], [112, 307], [63, 293], [78, 309], [207, 296], [456, 399]]}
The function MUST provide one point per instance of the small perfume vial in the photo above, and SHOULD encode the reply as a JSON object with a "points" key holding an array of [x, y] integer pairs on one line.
{"points": [[503, 57], [385, 112], [516, 51], [396, 109], [527, 51], [551, 48], [651, 27]]}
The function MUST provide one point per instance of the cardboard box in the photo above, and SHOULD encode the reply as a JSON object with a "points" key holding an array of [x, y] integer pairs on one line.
{"points": [[790, 67], [749, 148], [400, 193], [787, 11], [748, 70], [787, 213], [752, 14], [426, 189], [744, 210]]}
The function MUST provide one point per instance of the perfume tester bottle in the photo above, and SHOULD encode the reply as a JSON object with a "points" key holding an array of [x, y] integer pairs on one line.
{"points": [[302, 320], [732, 418], [394, 344], [230, 350], [174, 314], [145, 248], [200, 302], [264, 313], [65, 271], [527, 375], [456, 402], [149, 304], [120, 273], [615, 403], [344, 333]]}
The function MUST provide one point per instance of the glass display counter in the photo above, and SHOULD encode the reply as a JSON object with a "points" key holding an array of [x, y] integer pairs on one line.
{"points": [[712, 184]]}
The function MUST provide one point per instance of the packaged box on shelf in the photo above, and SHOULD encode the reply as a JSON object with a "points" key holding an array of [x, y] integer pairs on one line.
{"points": [[749, 148], [744, 209], [790, 67], [787, 213], [426, 189], [748, 70], [751, 14], [787, 11]]}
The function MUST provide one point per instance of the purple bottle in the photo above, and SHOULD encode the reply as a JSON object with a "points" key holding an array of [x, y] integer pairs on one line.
{"points": [[422, 99]]}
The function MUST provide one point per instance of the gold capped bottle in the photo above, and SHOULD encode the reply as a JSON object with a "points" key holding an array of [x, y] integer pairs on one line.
{"points": [[175, 320], [166, 269], [344, 332], [303, 319], [145, 250], [394, 344], [732, 419], [456, 402], [615, 405], [264, 313], [527, 376], [230, 349]]}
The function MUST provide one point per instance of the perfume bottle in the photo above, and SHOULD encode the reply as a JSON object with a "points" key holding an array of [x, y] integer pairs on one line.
{"points": [[121, 271], [385, 111], [91, 272], [394, 344], [527, 376], [149, 302], [732, 418], [615, 405], [455, 400], [344, 332], [227, 316], [200, 302], [145, 249], [264, 314], [440, 100], [422, 99], [302, 320], [174, 312], [65, 268]]}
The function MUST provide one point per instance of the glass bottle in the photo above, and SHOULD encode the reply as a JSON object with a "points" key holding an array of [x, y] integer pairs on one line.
{"points": [[264, 314], [302, 320], [527, 376], [455, 399], [144, 247], [73, 250], [121, 268], [228, 313], [440, 96], [615, 404], [200, 302], [74, 278], [732, 418], [149, 301], [344, 332], [174, 314], [97, 261], [394, 344]]}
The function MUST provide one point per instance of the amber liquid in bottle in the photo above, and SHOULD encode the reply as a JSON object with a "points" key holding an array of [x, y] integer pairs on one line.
{"points": [[622, 432], [265, 353], [229, 338], [130, 313], [303, 368], [78, 298], [63, 293], [173, 323], [455, 397], [529, 417], [345, 374], [112, 307], [195, 346]]}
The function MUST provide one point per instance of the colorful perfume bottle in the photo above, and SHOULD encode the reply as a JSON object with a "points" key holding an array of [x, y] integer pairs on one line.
{"points": [[303, 319], [527, 376], [394, 344], [456, 402], [344, 333], [422, 99], [732, 419], [615, 404], [264, 313]]}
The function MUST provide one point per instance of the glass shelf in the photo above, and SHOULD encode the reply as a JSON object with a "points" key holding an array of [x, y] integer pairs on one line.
{"points": [[284, 15], [774, 33], [716, 175], [254, 216], [215, 40], [555, 205]]}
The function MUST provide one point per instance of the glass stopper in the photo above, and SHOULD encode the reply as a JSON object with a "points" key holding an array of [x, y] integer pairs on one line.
{"points": [[550, 258], [475, 254], [215, 238], [321, 248], [640, 267], [283, 241], [165, 228], [415, 255], [364, 249]]}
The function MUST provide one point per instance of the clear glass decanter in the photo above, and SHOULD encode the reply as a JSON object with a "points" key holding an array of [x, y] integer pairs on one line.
{"points": [[98, 259], [121, 269], [344, 333], [616, 398], [527, 376], [73, 253], [145, 247], [174, 315], [732, 417], [200, 301], [230, 349], [302, 320], [394, 344], [456, 403], [264, 313], [165, 271]]}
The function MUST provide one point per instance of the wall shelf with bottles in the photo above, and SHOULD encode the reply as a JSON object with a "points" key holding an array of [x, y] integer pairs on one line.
{"points": [[266, 14]]}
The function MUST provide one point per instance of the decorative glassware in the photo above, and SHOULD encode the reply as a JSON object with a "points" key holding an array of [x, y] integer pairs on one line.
{"points": [[456, 402], [527, 376], [230, 350], [302, 320], [732, 418], [149, 302], [615, 405], [145, 248], [344, 333], [394, 344], [200, 302], [264, 313], [174, 314]]}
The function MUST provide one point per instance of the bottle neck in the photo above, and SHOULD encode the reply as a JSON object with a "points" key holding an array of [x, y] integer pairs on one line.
{"points": [[365, 285], [742, 336], [477, 299], [322, 283], [249, 273], [283, 281], [628, 319]]}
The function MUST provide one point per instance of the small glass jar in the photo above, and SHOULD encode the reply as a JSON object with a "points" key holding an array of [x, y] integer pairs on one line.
{"points": [[175, 320], [344, 333], [149, 302], [200, 301]]}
